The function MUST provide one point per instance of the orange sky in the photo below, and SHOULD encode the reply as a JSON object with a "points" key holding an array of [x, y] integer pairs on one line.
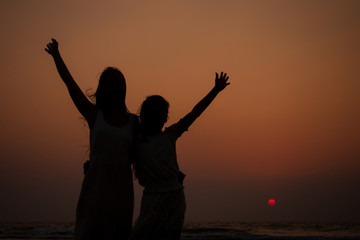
{"points": [[286, 128]]}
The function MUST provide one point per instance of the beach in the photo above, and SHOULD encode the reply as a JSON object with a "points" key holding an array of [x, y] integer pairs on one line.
{"points": [[204, 230]]}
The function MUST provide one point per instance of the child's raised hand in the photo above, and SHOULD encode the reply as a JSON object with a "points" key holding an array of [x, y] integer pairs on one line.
{"points": [[221, 82], [52, 47]]}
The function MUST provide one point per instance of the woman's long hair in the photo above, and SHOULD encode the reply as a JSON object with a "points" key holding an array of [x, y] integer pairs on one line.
{"points": [[111, 91]]}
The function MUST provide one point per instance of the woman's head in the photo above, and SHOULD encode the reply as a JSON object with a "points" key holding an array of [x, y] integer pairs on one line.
{"points": [[111, 92], [154, 114]]}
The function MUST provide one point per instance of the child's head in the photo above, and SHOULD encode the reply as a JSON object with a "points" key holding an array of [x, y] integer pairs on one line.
{"points": [[153, 114], [111, 91]]}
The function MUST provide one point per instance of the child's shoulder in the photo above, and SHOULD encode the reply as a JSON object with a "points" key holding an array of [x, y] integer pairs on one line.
{"points": [[175, 130]]}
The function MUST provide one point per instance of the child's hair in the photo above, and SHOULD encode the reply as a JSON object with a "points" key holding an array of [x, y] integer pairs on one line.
{"points": [[154, 113]]}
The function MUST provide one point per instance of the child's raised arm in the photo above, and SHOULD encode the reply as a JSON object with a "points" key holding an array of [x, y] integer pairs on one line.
{"points": [[82, 103], [220, 84]]}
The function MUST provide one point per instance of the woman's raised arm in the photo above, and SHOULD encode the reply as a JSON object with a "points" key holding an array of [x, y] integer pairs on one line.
{"points": [[82, 103]]}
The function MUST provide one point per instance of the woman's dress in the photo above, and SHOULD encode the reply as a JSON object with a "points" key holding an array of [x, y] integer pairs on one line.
{"points": [[106, 202]]}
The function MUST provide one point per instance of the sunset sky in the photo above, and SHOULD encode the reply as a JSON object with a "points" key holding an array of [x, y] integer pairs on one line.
{"points": [[287, 127]]}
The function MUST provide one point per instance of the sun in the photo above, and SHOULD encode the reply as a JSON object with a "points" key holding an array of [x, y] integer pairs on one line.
{"points": [[271, 202]]}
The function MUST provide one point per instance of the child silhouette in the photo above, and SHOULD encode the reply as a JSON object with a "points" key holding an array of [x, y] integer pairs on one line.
{"points": [[163, 203]]}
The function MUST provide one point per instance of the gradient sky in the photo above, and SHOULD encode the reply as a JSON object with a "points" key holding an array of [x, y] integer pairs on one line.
{"points": [[288, 126]]}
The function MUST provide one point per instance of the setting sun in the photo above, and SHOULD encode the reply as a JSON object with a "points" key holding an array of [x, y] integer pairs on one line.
{"points": [[271, 202]]}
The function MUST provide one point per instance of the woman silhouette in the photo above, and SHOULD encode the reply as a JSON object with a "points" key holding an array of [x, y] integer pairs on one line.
{"points": [[106, 202]]}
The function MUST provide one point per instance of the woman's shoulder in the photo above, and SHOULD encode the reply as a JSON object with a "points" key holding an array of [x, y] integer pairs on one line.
{"points": [[133, 117], [134, 122]]}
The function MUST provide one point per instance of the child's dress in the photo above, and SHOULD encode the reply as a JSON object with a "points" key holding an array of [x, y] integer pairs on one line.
{"points": [[106, 202], [163, 203]]}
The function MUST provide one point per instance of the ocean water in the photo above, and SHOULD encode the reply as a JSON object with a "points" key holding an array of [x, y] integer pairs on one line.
{"points": [[204, 230]]}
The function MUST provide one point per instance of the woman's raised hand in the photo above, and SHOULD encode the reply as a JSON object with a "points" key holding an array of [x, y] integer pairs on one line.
{"points": [[53, 47], [221, 82]]}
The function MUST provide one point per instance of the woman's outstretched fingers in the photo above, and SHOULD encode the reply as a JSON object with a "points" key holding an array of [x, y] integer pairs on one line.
{"points": [[52, 47]]}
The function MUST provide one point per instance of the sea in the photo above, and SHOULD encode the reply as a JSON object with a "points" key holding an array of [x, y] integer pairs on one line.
{"points": [[204, 230]]}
